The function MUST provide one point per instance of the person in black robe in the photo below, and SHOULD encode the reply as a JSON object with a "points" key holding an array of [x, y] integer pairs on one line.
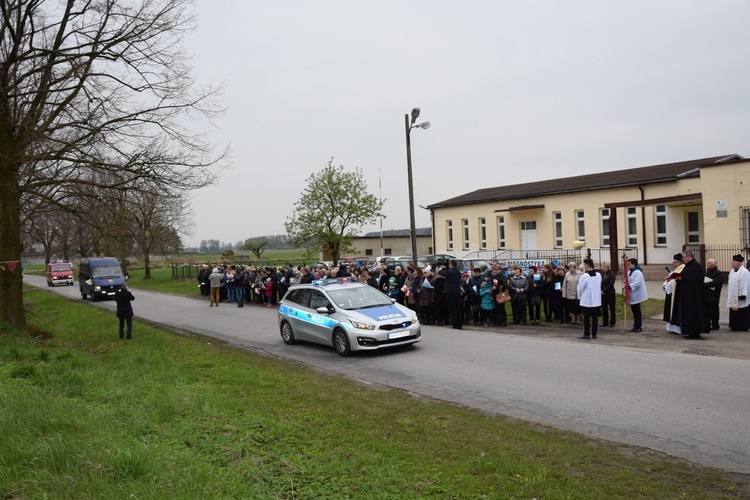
{"points": [[713, 283], [672, 314], [692, 297]]}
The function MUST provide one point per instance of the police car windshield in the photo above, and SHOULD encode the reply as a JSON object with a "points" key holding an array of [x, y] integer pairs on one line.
{"points": [[106, 272], [360, 297]]}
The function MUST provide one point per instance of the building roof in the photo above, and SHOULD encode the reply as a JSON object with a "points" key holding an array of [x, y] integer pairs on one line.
{"points": [[605, 180], [390, 233]]}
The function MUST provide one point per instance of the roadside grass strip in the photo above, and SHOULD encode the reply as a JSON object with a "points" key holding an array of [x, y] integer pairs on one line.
{"points": [[86, 415]]}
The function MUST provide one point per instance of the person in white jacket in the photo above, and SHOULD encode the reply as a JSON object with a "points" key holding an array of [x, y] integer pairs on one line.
{"points": [[589, 290], [738, 291], [638, 293]]}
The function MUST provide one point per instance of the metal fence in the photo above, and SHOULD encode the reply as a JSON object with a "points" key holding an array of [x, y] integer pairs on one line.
{"points": [[598, 255], [722, 254]]}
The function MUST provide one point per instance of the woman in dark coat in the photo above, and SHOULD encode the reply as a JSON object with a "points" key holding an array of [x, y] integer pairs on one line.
{"points": [[123, 298]]}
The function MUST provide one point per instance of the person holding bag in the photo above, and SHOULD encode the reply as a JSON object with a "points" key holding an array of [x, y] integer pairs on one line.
{"points": [[502, 295]]}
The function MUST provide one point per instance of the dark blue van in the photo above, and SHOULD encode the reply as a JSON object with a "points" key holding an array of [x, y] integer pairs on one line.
{"points": [[100, 278]]}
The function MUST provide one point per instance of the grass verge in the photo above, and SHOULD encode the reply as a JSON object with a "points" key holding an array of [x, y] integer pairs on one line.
{"points": [[83, 414]]}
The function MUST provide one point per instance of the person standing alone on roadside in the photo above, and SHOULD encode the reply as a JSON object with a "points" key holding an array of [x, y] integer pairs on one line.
{"points": [[123, 298]]}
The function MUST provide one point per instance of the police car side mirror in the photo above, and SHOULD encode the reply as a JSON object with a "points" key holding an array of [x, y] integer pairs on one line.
{"points": [[323, 310]]}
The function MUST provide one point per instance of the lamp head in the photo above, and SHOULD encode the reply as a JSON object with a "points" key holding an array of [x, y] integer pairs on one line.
{"points": [[414, 115], [424, 125]]}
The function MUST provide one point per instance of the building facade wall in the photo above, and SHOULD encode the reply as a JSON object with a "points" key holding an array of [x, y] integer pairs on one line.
{"points": [[729, 184], [657, 239], [392, 245]]}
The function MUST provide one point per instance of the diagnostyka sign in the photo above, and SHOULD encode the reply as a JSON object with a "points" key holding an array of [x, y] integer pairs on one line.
{"points": [[525, 264]]}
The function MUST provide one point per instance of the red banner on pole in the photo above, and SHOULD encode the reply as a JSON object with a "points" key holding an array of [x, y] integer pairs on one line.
{"points": [[625, 278]]}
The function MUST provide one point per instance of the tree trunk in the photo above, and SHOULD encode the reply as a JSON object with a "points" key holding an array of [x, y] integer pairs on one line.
{"points": [[11, 283], [147, 265]]}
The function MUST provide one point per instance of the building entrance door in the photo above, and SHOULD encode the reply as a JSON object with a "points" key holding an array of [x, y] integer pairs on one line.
{"points": [[528, 235]]}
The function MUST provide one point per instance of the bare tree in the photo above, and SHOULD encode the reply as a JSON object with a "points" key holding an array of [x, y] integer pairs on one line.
{"points": [[156, 223], [42, 230], [87, 90]]}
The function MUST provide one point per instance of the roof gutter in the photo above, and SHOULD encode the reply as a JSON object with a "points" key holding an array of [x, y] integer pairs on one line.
{"points": [[689, 173]]}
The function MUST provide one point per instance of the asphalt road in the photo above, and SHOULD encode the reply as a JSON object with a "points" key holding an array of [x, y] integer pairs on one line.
{"points": [[690, 406]]}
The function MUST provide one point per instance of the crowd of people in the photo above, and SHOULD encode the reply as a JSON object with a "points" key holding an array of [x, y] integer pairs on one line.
{"points": [[444, 295], [441, 296]]}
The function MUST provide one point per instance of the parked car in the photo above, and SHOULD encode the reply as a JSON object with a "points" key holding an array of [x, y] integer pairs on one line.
{"points": [[436, 259], [481, 263], [345, 315]]}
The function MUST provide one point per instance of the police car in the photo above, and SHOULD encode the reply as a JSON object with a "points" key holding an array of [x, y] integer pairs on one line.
{"points": [[346, 315]]}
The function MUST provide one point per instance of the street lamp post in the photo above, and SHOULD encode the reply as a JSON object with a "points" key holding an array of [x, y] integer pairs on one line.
{"points": [[412, 226]]}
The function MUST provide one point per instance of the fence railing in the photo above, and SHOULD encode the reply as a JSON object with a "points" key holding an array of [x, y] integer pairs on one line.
{"points": [[722, 254], [598, 255]]}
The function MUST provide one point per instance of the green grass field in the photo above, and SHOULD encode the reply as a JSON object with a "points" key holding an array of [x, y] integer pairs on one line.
{"points": [[86, 415]]}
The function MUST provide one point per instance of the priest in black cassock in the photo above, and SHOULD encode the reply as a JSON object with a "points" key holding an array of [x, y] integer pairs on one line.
{"points": [[672, 312], [692, 297]]}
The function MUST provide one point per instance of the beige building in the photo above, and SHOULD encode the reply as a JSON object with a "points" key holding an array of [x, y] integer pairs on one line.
{"points": [[394, 242], [648, 212]]}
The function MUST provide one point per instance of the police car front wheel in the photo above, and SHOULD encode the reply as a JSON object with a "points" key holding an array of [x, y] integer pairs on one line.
{"points": [[341, 343], [287, 334]]}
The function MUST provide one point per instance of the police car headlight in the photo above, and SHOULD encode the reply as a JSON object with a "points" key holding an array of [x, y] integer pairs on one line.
{"points": [[360, 324], [414, 319]]}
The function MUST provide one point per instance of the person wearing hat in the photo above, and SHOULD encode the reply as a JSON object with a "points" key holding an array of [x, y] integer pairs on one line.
{"points": [[738, 290], [671, 299], [215, 280], [123, 298]]}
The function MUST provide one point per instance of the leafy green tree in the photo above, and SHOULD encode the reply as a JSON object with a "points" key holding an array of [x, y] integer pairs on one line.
{"points": [[334, 205], [256, 245]]}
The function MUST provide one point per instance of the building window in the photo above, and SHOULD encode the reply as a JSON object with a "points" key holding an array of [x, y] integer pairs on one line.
{"points": [[387, 251], [465, 233], [745, 226], [482, 234], [604, 217], [693, 227], [580, 226], [449, 232], [557, 220], [660, 223], [631, 221], [368, 251], [501, 232]]}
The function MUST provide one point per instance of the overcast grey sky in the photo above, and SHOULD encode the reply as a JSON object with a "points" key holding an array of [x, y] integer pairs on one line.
{"points": [[515, 91]]}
